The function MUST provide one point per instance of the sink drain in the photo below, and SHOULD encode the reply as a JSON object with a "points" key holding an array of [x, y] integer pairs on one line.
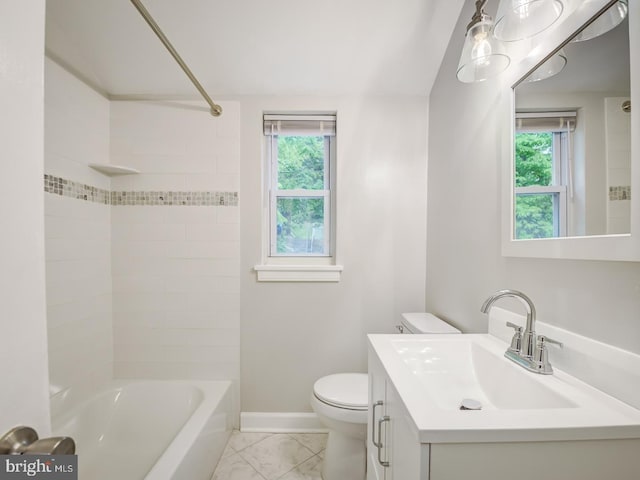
{"points": [[470, 404]]}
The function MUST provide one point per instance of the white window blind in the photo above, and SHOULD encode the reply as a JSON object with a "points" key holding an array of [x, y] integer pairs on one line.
{"points": [[315, 125], [536, 122]]}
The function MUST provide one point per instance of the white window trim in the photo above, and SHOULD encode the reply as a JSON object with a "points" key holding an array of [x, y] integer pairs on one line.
{"points": [[298, 273], [301, 268]]}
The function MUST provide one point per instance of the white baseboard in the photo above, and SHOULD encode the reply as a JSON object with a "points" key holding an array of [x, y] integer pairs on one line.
{"points": [[281, 422]]}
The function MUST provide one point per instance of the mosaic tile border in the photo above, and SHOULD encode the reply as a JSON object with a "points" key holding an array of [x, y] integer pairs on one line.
{"points": [[222, 199], [69, 188], [620, 193], [80, 191]]}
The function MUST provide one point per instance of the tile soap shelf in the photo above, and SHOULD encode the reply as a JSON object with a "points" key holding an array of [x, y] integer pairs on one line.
{"points": [[113, 170]]}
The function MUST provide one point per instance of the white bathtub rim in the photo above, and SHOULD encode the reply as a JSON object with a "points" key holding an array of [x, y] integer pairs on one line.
{"points": [[214, 392], [66, 403]]}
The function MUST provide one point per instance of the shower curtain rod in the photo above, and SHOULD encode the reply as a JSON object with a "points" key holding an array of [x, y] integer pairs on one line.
{"points": [[216, 110]]}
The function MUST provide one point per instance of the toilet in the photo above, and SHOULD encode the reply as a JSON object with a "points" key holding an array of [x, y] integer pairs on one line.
{"points": [[425, 323], [341, 404]]}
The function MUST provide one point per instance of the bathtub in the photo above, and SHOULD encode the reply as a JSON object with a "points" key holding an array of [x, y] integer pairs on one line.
{"points": [[152, 430]]}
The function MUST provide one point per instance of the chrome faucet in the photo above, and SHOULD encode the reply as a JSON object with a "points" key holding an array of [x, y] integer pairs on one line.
{"points": [[527, 349]]}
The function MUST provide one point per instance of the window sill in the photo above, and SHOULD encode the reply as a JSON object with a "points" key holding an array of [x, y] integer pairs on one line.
{"points": [[298, 273]]}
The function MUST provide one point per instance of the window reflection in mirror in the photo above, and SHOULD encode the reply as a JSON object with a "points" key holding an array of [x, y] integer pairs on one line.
{"points": [[572, 142]]}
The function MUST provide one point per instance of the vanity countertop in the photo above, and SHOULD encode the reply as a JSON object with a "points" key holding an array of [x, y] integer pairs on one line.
{"points": [[434, 373]]}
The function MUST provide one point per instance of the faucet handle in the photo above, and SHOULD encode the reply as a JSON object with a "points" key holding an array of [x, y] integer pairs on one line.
{"points": [[516, 341], [541, 355], [542, 340], [517, 328]]}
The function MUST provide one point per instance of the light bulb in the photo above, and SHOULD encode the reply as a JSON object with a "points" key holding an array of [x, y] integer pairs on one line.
{"points": [[481, 50], [482, 56]]}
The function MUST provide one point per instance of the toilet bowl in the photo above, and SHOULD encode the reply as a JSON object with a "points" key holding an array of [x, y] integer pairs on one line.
{"points": [[341, 403]]}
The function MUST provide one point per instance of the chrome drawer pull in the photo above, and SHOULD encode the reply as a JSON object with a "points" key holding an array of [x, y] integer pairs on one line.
{"points": [[379, 444], [373, 422]]}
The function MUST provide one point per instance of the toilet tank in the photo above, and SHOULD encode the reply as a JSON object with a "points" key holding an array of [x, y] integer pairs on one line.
{"points": [[425, 323]]}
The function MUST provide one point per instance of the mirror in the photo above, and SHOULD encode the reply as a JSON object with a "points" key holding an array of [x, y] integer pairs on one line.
{"points": [[602, 214], [572, 140]]}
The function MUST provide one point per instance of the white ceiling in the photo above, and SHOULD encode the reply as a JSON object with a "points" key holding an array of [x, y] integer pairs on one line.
{"points": [[597, 65], [255, 47]]}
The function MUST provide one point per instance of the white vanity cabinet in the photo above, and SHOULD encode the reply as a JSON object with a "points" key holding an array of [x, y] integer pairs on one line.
{"points": [[394, 450], [413, 433]]}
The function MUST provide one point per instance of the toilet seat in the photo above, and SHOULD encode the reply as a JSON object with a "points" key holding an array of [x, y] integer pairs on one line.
{"points": [[343, 390]]}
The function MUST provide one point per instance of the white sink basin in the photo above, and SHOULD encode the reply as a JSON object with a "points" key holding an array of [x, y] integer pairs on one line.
{"points": [[454, 370], [434, 373]]}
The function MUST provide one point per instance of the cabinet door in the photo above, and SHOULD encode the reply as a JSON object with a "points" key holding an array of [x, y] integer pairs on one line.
{"points": [[377, 409], [408, 458]]}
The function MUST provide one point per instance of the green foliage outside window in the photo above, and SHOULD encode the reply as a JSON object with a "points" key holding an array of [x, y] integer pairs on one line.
{"points": [[300, 163], [534, 167], [300, 220]]}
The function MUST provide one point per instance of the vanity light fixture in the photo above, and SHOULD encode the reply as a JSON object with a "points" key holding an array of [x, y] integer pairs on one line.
{"points": [[605, 22], [482, 55], [548, 69], [520, 19]]}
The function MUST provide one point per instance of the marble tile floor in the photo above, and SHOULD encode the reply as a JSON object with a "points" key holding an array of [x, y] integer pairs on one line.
{"points": [[272, 456]]}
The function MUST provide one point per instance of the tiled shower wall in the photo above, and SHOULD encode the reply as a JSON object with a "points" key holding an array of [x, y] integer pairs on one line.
{"points": [[176, 289], [142, 270], [77, 234], [618, 149]]}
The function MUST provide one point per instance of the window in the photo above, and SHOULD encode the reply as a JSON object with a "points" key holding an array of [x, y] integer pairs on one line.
{"points": [[542, 173], [300, 155], [300, 184]]}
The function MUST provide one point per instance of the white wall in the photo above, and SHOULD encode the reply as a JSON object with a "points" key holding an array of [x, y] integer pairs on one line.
{"points": [[175, 268], [294, 333], [78, 233], [597, 299], [23, 344]]}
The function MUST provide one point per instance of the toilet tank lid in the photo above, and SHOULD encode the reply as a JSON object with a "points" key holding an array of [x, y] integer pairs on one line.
{"points": [[426, 323]]}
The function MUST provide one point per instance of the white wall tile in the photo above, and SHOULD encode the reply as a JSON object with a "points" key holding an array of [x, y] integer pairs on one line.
{"points": [[140, 319], [76, 127], [138, 283], [619, 176], [210, 249], [175, 268], [190, 215], [227, 163], [221, 182], [212, 232], [78, 233], [228, 214], [178, 370], [154, 288], [158, 182], [128, 214]]}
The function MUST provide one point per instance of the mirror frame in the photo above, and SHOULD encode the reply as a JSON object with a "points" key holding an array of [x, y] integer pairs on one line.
{"points": [[619, 247]]}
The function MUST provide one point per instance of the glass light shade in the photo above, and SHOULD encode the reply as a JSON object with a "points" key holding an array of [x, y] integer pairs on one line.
{"points": [[551, 67], [520, 19], [605, 22], [482, 55]]}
